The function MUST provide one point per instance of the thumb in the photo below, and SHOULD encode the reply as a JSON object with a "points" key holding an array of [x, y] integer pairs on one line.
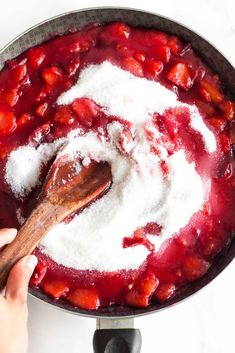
{"points": [[18, 280]]}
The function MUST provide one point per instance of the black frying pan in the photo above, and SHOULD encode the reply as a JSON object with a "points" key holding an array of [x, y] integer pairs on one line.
{"points": [[115, 332]]}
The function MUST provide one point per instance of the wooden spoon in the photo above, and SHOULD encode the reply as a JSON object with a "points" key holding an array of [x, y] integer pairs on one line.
{"points": [[68, 187]]}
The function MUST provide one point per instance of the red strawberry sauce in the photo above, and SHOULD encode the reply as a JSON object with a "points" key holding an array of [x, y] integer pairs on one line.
{"points": [[29, 87]]}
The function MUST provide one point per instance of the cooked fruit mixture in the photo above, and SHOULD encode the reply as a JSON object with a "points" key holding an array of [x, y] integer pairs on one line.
{"points": [[144, 102]]}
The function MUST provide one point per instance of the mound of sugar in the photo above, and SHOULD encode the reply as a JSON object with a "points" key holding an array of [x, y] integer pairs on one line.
{"points": [[120, 93], [129, 97], [24, 165]]}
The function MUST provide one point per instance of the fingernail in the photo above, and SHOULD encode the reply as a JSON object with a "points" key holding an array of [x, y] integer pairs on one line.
{"points": [[31, 262]]}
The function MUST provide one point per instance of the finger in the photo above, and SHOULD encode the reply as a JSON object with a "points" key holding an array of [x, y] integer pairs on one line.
{"points": [[18, 280], [7, 235]]}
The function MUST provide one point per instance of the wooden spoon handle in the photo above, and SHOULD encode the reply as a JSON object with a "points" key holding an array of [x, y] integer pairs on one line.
{"points": [[29, 236], [41, 220], [58, 200]]}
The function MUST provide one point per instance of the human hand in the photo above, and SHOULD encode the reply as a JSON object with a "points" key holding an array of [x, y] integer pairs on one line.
{"points": [[13, 304]]}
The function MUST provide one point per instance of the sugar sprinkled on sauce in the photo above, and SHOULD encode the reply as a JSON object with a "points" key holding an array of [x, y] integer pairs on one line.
{"points": [[24, 166], [129, 97]]}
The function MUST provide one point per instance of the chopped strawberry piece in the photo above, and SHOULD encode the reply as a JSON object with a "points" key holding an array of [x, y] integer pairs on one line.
{"points": [[147, 284], [56, 289], [52, 75], [139, 294], [132, 65], [153, 228], [229, 110], [86, 110], [175, 45], [24, 119], [180, 76], [139, 233], [153, 67], [133, 241], [39, 134], [11, 97], [164, 292], [138, 238], [155, 38], [38, 275], [114, 32], [7, 121], [218, 122], [205, 94], [225, 142], [41, 110], [119, 30], [140, 56], [209, 92], [36, 56], [134, 298], [194, 267], [163, 52], [85, 298], [73, 66], [64, 116], [19, 73]]}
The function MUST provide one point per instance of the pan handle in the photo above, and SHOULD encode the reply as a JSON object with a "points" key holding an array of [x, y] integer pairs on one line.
{"points": [[116, 336]]}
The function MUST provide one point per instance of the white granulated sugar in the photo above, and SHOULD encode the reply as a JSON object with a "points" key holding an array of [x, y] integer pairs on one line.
{"points": [[129, 97], [120, 93], [24, 165], [139, 194], [181, 200], [22, 169], [198, 124], [93, 239]]}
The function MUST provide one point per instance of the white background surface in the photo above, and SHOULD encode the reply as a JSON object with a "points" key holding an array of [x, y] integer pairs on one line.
{"points": [[202, 324]]}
